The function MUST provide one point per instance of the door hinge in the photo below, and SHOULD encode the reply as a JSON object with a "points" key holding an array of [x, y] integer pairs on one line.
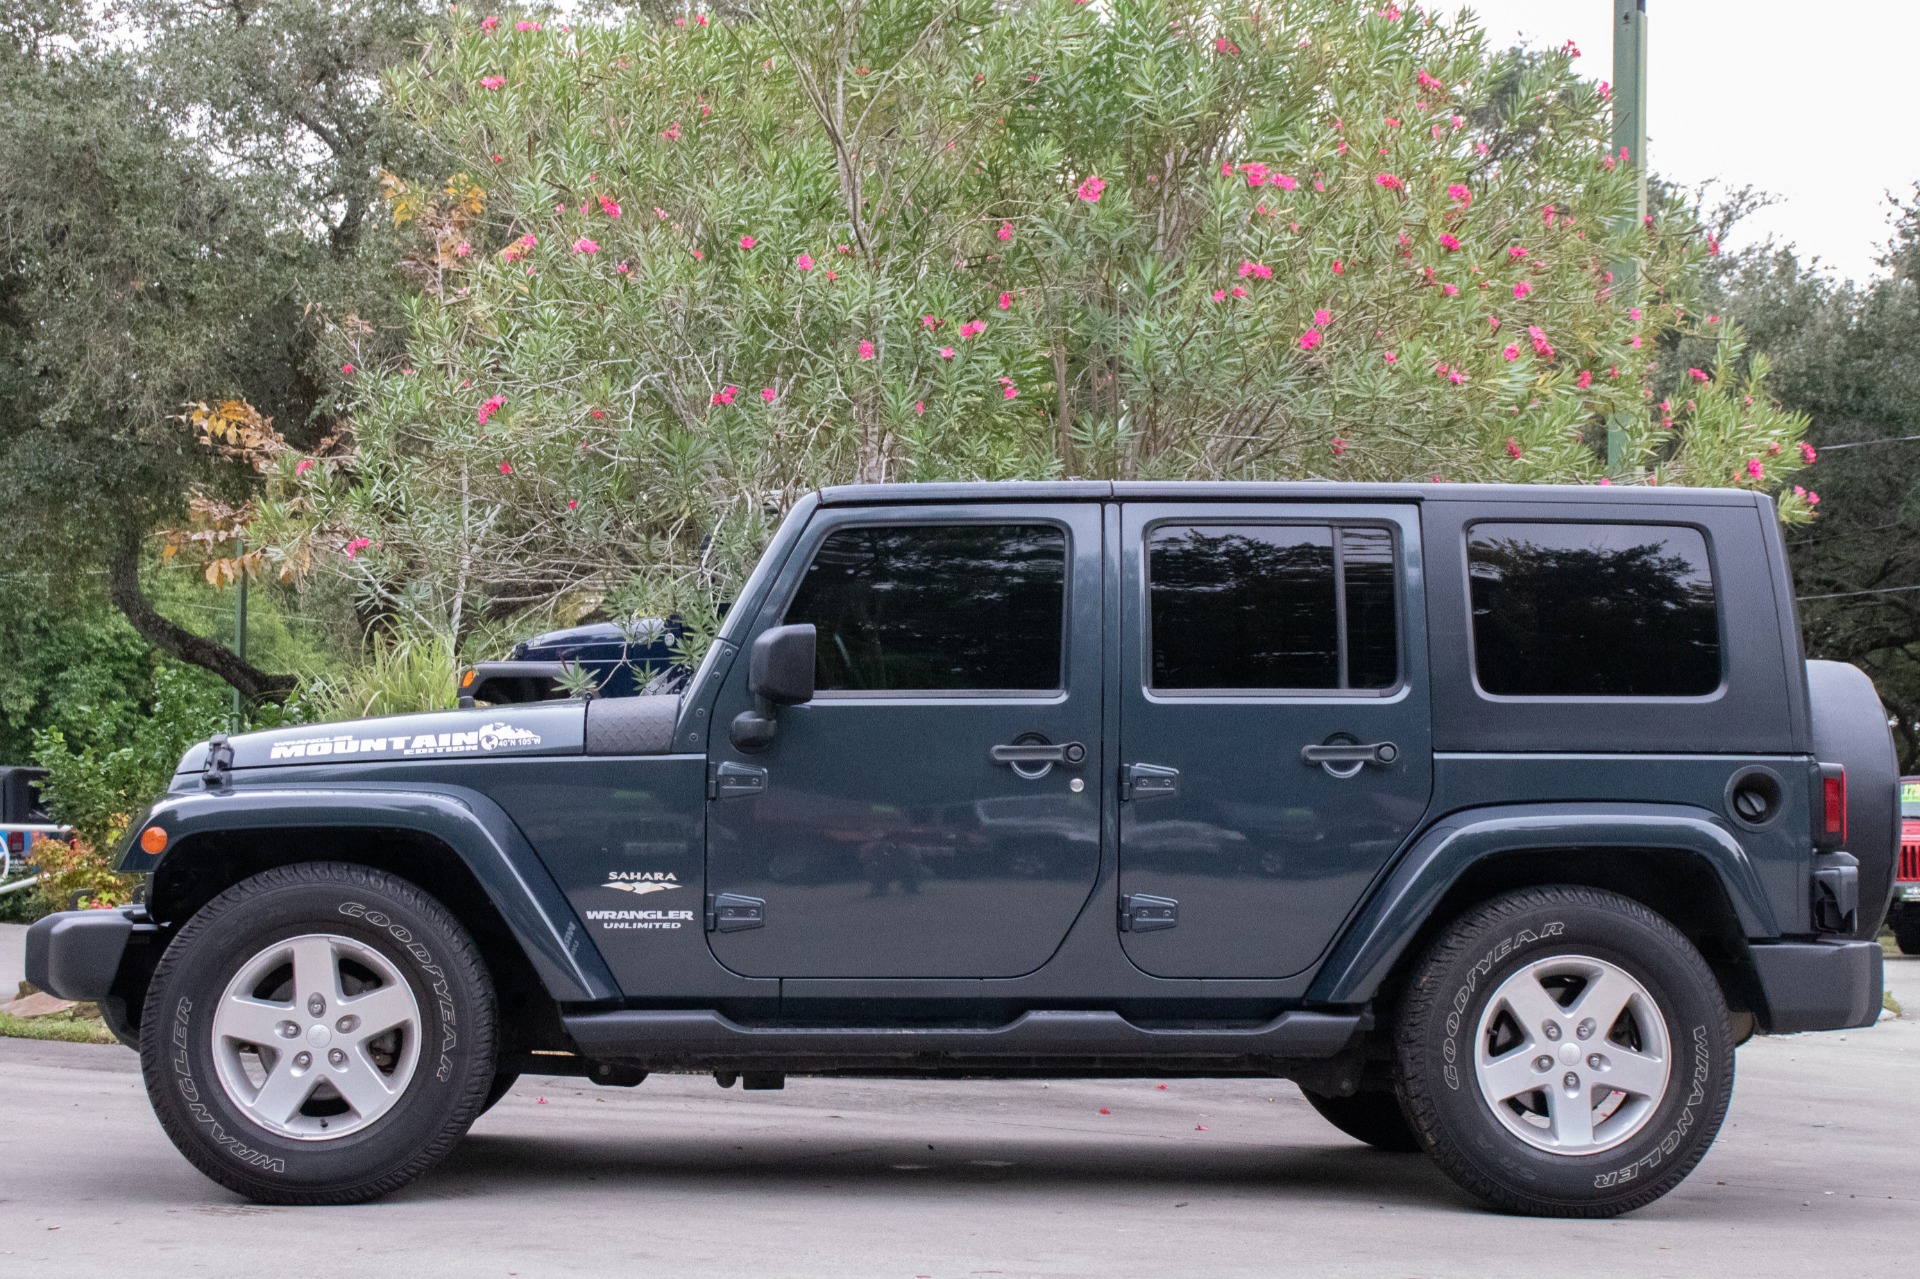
{"points": [[1145, 913], [731, 780], [732, 912], [1148, 781]]}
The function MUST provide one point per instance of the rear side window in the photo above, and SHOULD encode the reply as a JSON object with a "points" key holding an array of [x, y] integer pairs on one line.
{"points": [[937, 608], [1593, 610], [1271, 606]]}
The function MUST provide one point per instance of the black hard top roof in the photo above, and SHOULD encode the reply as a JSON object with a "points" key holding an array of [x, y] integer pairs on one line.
{"points": [[1288, 490]]}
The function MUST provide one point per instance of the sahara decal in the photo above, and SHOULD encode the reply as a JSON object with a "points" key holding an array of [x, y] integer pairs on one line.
{"points": [[487, 737], [642, 882]]}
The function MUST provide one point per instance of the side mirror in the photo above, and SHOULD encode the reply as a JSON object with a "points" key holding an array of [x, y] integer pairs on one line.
{"points": [[780, 673]]}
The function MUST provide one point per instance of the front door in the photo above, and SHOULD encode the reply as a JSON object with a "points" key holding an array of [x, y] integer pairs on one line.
{"points": [[1273, 726], [881, 834]]}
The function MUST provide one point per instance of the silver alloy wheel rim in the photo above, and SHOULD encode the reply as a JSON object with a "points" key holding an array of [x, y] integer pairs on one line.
{"points": [[1584, 1055], [307, 1059]]}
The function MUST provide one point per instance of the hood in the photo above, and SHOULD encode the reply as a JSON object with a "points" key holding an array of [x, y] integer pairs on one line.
{"points": [[549, 728]]}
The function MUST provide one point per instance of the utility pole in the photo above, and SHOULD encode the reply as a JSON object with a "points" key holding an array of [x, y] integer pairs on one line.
{"points": [[1629, 147], [240, 633]]}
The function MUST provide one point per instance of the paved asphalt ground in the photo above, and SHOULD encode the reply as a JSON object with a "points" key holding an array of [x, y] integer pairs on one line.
{"points": [[1816, 1173]]}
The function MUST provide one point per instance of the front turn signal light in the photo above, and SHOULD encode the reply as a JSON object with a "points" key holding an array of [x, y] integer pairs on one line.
{"points": [[154, 840]]}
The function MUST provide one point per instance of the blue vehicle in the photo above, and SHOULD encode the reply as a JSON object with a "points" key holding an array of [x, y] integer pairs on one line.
{"points": [[1494, 817], [642, 657]]}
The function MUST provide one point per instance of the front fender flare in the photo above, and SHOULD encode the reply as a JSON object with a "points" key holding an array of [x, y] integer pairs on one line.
{"points": [[1417, 881], [475, 828]]}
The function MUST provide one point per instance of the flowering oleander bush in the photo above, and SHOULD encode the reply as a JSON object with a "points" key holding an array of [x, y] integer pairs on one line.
{"points": [[674, 273]]}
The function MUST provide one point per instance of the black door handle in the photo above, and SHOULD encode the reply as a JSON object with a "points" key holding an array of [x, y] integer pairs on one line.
{"points": [[1344, 759], [1069, 753]]}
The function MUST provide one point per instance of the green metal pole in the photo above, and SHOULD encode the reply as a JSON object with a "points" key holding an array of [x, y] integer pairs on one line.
{"points": [[1629, 147], [240, 634]]}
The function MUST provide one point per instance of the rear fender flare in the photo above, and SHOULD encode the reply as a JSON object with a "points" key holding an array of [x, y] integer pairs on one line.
{"points": [[1402, 903], [472, 826]]}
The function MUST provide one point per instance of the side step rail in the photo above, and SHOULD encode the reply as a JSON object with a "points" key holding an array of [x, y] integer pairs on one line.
{"points": [[703, 1037]]}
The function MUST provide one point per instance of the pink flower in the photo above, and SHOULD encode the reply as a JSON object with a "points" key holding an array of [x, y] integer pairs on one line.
{"points": [[1494, 320], [358, 545], [1239, 292], [489, 22], [697, 254], [1011, 392], [768, 394], [919, 408], [725, 394], [573, 504], [1521, 290], [1512, 351], [497, 158], [1635, 342], [1697, 375], [1091, 189], [598, 414], [506, 468], [1284, 182], [1256, 174], [492, 406], [306, 464], [1339, 446], [1633, 313], [804, 262], [1005, 232], [1754, 469], [866, 349], [1389, 181], [672, 132], [1541, 347], [1516, 252], [1456, 376], [347, 369], [584, 245], [1482, 148], [1006, 301], [1713, 246], [972, 327], [1323, 317], [526, 26], [747, 242], [1255, 270], [1390, 358], [1585, 379], [1513, 447], [461, 249], [1713, 319], [1807, 453], [1426, 81], [1339, 267], [1219, 295], [1449, 242], [1571, 49], [1606, 91], [1310, 339], [491, 82], [622, 268], [701, 19], [946, 353], [609, 206], [1451, 290]]}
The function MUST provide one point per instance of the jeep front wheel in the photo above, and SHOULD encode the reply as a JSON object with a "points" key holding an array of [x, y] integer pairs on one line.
{"points": [[318, 1034], [1564, 1052]]}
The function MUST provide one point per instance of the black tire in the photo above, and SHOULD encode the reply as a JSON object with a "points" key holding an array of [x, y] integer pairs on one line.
{"points": [[394, 921], [1372, 1117], [1437, 1046], [1907, 934], [503, 1082]]}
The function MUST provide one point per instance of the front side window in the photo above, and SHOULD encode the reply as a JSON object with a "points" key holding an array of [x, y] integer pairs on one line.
{"points": [[1593, 610], [937, 608], [1271, 606]]}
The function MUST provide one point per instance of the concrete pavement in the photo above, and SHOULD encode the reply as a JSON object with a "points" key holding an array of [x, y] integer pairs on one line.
{"points": [[1817, 1171]]}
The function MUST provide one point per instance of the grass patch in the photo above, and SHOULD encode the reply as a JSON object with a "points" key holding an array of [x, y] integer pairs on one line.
{"points": [[64, 1027]]}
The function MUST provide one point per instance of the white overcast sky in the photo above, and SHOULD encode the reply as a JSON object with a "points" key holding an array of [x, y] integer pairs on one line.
{"points": [[1809, 101]]}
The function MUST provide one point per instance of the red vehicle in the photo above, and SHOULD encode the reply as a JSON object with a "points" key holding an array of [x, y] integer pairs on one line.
{"points": [[1904, 915]]}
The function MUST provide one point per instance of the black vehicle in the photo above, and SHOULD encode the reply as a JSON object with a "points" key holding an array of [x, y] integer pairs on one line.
{"points": [[1495, 817], [642, 657]]}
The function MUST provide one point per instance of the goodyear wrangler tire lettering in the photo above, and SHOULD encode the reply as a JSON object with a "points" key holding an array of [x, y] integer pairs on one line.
{"points": [[1624, 1110], [376, 932]]}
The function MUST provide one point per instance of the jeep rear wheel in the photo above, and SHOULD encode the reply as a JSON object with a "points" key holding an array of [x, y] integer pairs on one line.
{"points": [[1906, 932], [1564, 1052], [319, 1033]]}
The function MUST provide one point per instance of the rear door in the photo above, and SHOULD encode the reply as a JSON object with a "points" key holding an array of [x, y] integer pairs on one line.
{"points": [[1274, 726], [881, 834]]}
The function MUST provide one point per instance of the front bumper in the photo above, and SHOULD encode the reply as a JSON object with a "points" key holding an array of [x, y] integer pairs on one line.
{"points": [[1820, 985], [76, 954]]}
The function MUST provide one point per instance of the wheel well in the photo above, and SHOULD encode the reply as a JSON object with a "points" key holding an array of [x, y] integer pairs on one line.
{"points": [[200, 868], [1678, 885]]}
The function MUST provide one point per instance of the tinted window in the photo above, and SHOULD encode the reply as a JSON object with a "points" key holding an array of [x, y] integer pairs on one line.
{"points": [[1260, 606], [937, 608], [1593, 610]]}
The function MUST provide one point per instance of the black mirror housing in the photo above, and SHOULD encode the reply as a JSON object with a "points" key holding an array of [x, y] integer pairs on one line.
{"points": [[781, 670], [779, 673]]}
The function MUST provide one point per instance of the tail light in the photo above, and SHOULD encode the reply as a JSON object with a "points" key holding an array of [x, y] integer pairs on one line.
{"points": [[1830, 820]]}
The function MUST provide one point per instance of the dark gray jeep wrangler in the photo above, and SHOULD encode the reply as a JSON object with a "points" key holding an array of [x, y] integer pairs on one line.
{"points": [[1494, 817]]}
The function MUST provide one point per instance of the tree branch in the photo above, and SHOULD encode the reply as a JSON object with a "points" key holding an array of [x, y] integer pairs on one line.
{"points": [[123, 586]]}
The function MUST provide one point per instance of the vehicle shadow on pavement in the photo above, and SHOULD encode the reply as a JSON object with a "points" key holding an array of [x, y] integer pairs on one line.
{"points": [[485, 1164]]}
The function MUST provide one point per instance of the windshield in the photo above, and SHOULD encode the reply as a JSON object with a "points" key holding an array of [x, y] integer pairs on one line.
{"points": [[1910, 796]]}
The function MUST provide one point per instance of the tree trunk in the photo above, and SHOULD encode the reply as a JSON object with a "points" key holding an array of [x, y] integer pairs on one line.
{"points": [[123, 585]]}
